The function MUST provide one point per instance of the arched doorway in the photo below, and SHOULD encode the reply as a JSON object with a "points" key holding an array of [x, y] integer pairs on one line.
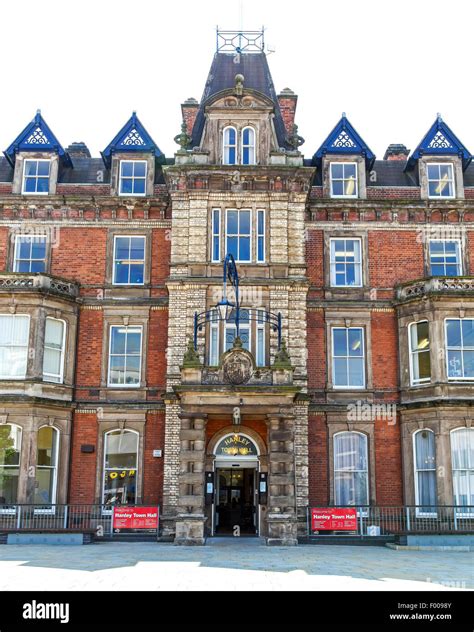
{"points": [[236, 481]]}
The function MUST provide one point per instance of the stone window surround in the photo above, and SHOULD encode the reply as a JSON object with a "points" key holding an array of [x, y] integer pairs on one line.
{"points": [[27, 231], [436, 319], [458, 177], [453, 234], [344, 291], [349, 319], [17, 185], [38, 314], [149, 158], [361, 176], [117, 317], [239, 126], [120, 420], [442, 428], [239, 206], [30, 422], [336, 424], [109, 267]]}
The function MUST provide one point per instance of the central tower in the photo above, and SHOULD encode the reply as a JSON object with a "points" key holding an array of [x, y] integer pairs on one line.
{"points": [[238, 187]]}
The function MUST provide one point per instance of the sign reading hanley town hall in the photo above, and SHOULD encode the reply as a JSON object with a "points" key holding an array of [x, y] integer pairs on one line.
{"points": [[200, 332]]}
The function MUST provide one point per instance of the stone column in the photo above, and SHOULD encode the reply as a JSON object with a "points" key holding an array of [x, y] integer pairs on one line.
{"points": [[281, 517], [191, 518]]}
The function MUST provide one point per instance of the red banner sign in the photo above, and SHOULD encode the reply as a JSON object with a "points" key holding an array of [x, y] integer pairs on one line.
{"points": [[135, 518], [334, 519]]}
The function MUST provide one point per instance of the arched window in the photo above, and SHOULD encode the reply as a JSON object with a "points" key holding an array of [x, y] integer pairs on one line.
{"points": [[53, 359], [120, 467], [10, 454], [248, 146], [46, 465], [230, 146], [462, 459], [351, 477], [425, 471]]}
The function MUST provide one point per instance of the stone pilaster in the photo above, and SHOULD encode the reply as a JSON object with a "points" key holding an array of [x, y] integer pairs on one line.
{"points": [[192, 458], [281, 517]]}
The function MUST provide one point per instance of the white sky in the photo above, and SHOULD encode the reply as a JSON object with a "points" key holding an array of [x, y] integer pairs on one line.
{"points": [[391, 66]]}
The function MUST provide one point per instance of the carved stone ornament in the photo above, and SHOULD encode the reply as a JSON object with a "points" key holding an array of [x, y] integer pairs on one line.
{"points": [[237, 367]]}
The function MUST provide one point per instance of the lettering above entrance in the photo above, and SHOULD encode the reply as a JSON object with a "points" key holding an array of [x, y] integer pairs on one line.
{"points": [[236, 445]]}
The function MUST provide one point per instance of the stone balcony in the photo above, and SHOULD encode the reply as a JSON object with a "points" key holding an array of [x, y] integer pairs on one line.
{"points": [[446, 286], [43, 283]]}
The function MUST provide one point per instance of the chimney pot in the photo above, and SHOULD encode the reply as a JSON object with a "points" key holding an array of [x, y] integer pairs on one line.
{"points": [[78, 150], [396, 152]]}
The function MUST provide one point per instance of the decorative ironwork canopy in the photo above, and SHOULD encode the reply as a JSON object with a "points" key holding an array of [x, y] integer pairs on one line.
{"points": [[344, 139]]}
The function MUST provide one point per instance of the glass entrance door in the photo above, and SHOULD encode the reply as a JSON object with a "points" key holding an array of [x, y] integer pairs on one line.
{"points": [[236, 510]]}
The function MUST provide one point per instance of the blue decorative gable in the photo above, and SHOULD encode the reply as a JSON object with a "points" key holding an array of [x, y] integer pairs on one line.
{"points": [[344, 140], [440, 141], [132, 137], [36, 136]]}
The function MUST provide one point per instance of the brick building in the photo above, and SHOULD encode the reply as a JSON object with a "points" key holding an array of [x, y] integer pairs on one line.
{"points": [[350, 381]]}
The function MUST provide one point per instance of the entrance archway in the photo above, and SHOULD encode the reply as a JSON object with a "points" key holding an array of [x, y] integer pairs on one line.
{"points": [[236, 503]]}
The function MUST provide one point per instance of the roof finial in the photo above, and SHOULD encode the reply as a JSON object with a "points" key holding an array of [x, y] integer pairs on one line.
{"points": [[239, 85], [343, 115], [439, 118]]}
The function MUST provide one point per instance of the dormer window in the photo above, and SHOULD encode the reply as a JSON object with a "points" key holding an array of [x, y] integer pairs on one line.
{"points": [[343, 176], [133, 177], [235, 153], [440, 180], [36, 177], [230, 146], [248, 146]]}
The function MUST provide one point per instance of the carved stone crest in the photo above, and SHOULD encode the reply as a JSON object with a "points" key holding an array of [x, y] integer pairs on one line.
{"points": [[238, 367]]}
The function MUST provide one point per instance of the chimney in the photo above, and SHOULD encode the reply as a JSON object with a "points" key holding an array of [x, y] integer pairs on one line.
{"points": [[78, 150], [288, 100], [396, 152], [189, 110]]}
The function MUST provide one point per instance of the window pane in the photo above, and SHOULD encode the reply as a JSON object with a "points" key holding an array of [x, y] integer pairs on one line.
{"points": [[355, 342], [244, 249], [52, 362], [425, 450], [30, 185], [136, 274], [44, 492], [43, 168], [117, 369], [454, 364], [127, 169], [337, 170], [137, 248], [340, 342], [139, 187], [121, 449], [468, 332], [126, 185], [46, 446], [433, 172], [120, 487], [446, 172], [31, 167], [453, 333], [340, 372], [122, 247], [244, 217], [230, 136], [42, 185], [10, 445], [232, 222], [350, 171], [9, 485], [122, 271], [139, 169], [356, 372], [468, 358], [134, 339], [118, 339], [232, 246], [338, 187], [54, 331]]}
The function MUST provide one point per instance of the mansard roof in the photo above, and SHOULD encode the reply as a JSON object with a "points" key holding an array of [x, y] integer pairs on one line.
{"points": [[344, 139], [37, 136], [132, 137], [440, 140], [254, 67]]}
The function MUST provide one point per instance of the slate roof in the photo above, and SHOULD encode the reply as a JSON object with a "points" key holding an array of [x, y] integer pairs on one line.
{"points": [[254, 67]]}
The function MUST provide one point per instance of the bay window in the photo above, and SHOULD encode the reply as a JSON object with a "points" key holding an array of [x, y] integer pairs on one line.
{"points": [[462, 460], [460, 349], [425, 472], [46, 465], [10, 455], [14, 334], [420, 363], [54, 344]]}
